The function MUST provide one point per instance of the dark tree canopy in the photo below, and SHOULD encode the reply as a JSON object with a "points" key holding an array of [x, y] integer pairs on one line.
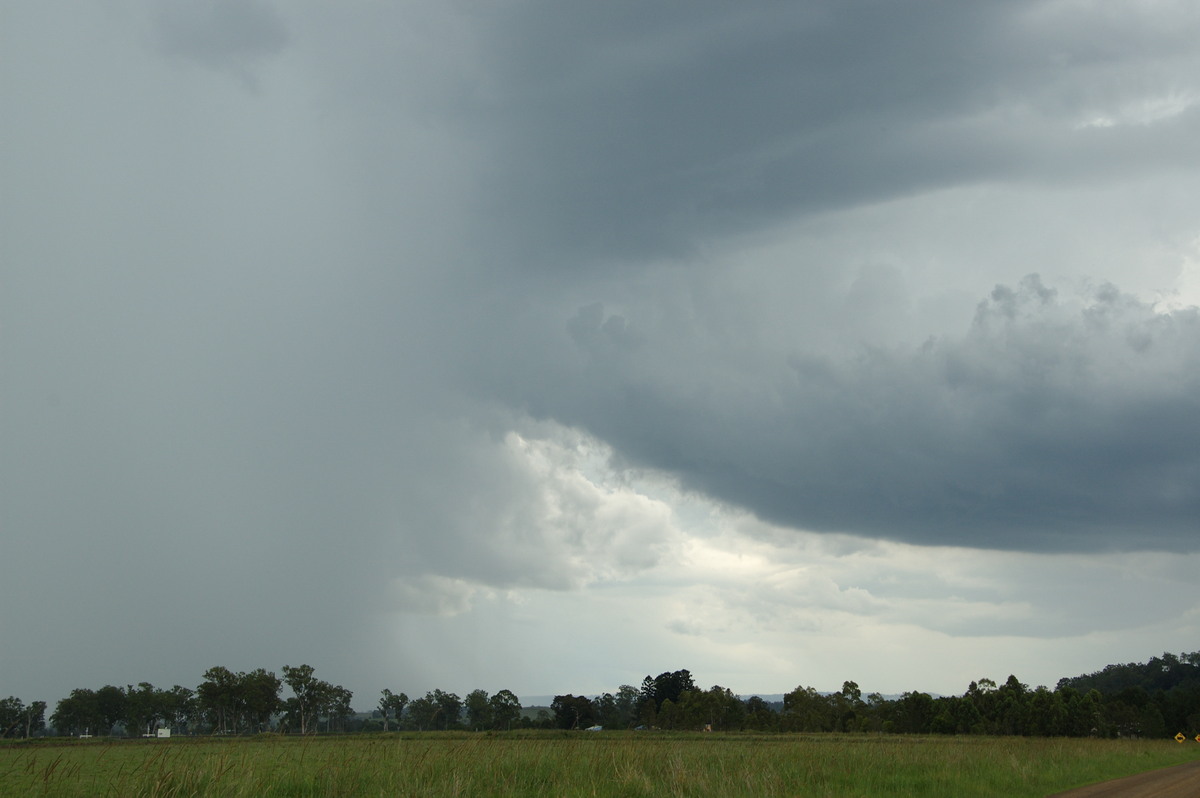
{"points": [[667, 687]]}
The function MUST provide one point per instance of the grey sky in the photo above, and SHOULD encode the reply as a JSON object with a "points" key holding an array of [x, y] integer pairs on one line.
{"points": [[403, 339]]}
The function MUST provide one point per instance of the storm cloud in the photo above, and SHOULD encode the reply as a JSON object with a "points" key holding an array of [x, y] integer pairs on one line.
{"points": [[747, 337], [1047, 425]]}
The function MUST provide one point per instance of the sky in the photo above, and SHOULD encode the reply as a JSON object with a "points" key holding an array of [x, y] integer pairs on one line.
{"points": [[543, 346]]}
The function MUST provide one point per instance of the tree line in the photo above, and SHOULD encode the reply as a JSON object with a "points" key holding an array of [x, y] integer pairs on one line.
{"points": [[1154, 699], [1157, 699]]}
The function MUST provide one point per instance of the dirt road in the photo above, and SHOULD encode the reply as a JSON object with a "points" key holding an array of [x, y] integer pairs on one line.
{"points": [[1181, 781]]}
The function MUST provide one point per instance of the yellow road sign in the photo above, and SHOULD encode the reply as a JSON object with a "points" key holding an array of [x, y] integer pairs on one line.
{"points": [[1179, 737]]}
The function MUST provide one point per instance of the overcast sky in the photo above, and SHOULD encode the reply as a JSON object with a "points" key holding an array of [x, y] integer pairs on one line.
{"points": [[543, 346]]}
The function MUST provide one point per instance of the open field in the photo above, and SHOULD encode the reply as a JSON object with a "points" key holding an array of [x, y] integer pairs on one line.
{"points": [[577, 764]]}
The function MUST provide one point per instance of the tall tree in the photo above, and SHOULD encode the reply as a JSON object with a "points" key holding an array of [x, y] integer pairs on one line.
{"points": [[143, 708], [179, 707], [392, 703], [479, 709], [806, 710], [12, 711], [505, 709], [35, 717], [667, 686], [219, 699], [309, 695], [449, 709], [110, 702], [573, 711], [759, 715], [78, 713], [423, 712], [259, 696]]}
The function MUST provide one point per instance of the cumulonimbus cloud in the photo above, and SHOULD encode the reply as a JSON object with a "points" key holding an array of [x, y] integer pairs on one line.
{"points": [[1051, 424]]}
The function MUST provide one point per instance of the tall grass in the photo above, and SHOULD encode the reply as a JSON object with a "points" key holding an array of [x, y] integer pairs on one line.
{"points": [[625, 764]]}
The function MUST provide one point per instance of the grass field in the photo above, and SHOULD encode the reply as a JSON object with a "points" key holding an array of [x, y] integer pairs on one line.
{"points": [[576, 764]]}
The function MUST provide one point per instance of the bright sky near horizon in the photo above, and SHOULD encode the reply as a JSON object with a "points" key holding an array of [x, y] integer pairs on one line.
{"points": [[543, 346]]}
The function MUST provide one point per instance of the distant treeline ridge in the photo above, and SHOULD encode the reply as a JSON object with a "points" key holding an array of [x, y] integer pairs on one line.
{"points": [[1158, 698]]}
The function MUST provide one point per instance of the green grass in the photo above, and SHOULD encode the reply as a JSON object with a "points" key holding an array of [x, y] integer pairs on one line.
{"points": [[625, 764]]}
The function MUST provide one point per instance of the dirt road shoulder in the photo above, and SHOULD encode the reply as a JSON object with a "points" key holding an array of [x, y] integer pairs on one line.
{"points": [[1180, 781]]}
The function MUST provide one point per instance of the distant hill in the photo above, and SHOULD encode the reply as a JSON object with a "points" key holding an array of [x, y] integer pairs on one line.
{"points": [[1159, 675]]}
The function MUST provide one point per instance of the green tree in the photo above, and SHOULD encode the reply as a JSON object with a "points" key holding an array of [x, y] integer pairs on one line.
{"points": [[607, 714], [218, 699], [392, 704], [717, 709], [179, 708], [983, 697], [505, 708], [143, 708], [573, 711], [310, 696], [423, 712], [847, 707], [259, 697], [12, 711], [449, 709], [78, 713], [627, 698], [759, 716], [35, 718], [667, 686], [337, 707], [1048, 715], [806, 710], [110, 703], [479, 709], [670, 714], [1013, 700], [915, 713]]}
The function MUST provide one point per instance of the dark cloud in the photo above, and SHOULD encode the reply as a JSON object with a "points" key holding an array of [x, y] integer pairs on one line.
{"points": [[1047, 426], [629, 131], [222, 34], [274, 362]]}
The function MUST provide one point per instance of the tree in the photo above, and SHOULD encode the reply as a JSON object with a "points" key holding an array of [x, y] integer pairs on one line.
{"points": [[479, 709], [449, 709], [423, 712], [806, 710], [12, 711], [619, 711], [110, 703], [670, 715], [1014, 710], [309, 696], [78, 713], [667, 686], [218, 699], [716, 709], [258, 693], [726, 710], [392, 703], [915, 713], [179, 707], [759, 715], [572, 711], [35, 718], [337, 707], [606, 711], [628, 699], [505, 708], [848, 706], [143, 708]]}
